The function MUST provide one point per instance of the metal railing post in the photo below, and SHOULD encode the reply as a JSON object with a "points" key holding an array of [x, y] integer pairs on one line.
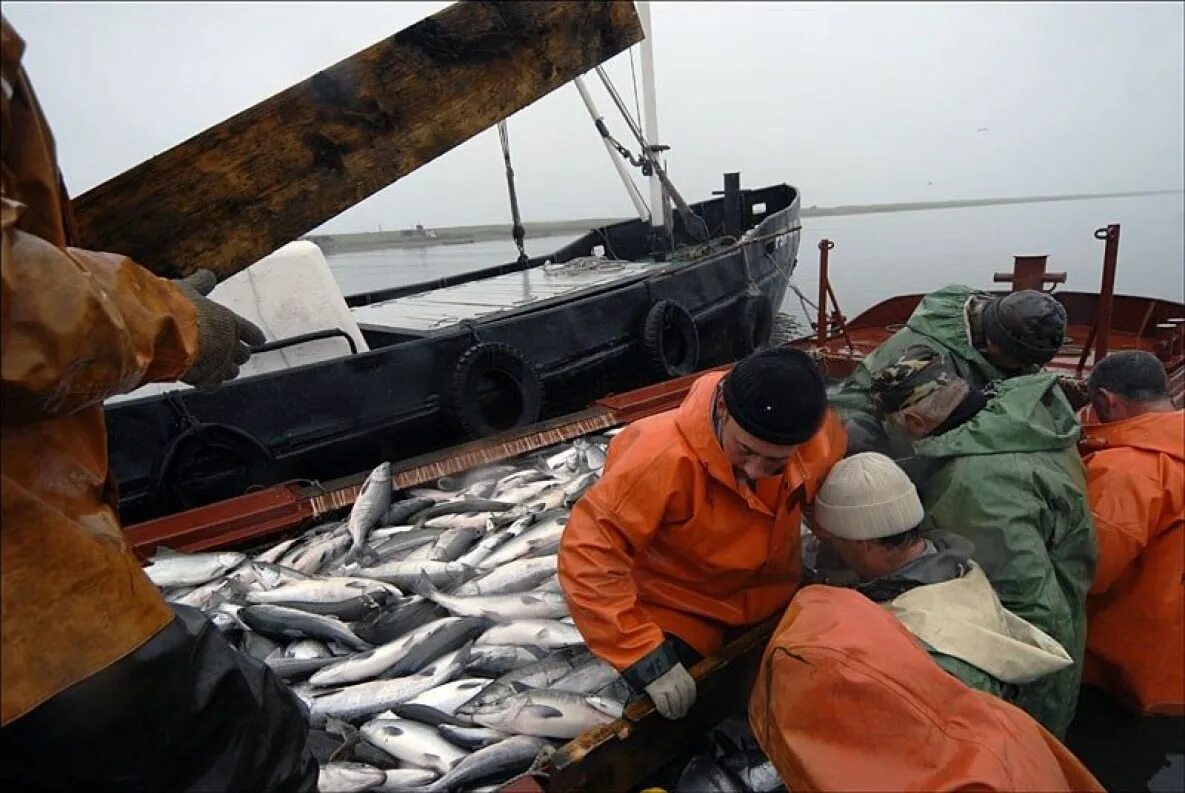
{"points": [[825, 247], [1110, 237]]}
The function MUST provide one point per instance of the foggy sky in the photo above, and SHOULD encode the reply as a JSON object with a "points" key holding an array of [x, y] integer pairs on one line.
{"points": [[852, 103]]}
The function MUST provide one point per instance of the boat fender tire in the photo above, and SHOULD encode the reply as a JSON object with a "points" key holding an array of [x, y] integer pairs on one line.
{"points": [[754, 327], [491, 366], [670, 339], [240, 457]]}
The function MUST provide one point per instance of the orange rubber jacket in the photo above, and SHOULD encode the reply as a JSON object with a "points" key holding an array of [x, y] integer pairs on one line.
{"points": [[668, 541], [1135, 639], [846, 699], [76, 326]]}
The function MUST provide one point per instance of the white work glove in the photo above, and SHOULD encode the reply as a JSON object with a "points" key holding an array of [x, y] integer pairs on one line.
{"points": [[673, 693]]}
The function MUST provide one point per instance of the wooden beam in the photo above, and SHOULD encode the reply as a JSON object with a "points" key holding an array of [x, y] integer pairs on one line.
{"points": [[229, 196]]}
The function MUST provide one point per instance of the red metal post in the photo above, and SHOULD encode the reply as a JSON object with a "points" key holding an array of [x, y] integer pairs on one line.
{"points": [[1028, 272], [1110, 237], [825, 247]]}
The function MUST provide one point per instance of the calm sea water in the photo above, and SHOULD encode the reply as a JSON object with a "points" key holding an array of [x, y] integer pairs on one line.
{"points": [[877, 256]]}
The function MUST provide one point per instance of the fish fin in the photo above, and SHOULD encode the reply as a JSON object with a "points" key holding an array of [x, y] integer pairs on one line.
{"points": [[465, 653], [339, 727], [358, 557], [164, 552], [519, 687], [426, 714], [238, 588], [544, 711], [424, 587]]}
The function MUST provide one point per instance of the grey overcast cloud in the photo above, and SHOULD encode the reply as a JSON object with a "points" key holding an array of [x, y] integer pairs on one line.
{"points": [[851, 102]]}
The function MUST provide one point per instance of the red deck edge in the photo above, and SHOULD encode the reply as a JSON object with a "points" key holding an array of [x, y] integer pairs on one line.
{"points": [[237, 521], [651, 399], [223, 523]]}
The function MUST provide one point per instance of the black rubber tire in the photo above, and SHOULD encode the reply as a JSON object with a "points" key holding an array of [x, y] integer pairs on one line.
{"points": [[670, 339], [208, 463], [755, 326], [467, 401]]}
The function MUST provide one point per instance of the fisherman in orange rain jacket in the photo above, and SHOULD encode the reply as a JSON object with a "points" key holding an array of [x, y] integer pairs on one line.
{"points": [[847, 699], [1135, 468], [102, 684], [1131, 709], [694, 528]]}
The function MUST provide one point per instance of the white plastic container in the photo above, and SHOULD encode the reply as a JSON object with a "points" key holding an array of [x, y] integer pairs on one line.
{"points": [[288, 293]]}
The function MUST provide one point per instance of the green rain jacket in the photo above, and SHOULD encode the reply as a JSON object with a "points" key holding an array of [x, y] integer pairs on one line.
{"points": [[939, 323], [1010, 480]]}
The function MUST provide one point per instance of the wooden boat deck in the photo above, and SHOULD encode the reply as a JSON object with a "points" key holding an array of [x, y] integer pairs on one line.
{"points": [[435, 310]]}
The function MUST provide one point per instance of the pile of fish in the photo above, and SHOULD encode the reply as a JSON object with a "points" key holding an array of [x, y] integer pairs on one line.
{"points": [[729, 760], [427, 635]]}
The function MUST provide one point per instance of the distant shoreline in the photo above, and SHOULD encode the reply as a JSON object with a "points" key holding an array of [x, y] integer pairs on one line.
{"points": [[459, 235]]}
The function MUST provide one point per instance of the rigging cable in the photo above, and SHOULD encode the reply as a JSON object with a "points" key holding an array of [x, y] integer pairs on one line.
{"points": [[634, 75], [517, 231], [693, 224]]}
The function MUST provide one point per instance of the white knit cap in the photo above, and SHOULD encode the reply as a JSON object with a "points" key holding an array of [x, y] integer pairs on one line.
{"points": [[866, 497]]}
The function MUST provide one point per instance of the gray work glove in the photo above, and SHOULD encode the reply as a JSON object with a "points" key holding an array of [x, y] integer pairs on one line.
{"points": [[673, 692], [223, 336]]}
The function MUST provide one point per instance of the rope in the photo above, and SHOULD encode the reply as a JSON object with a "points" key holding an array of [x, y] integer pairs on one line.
{"points": [[803, 301], [634, 75], [693, 252], [608, 246], [173, 400], [517, 231], [584, 264]]}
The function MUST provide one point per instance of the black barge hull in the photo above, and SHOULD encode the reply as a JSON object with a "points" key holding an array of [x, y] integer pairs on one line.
{"points": [[410, 395]]}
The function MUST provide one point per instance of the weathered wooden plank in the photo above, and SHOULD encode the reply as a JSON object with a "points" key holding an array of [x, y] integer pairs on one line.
{"points": [[229, 196]]}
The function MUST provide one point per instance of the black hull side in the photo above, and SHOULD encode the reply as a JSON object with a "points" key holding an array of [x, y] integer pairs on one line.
{"points": [[337, 418]]}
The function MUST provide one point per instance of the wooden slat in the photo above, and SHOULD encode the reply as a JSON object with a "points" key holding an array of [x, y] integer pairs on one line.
{"points": [[229, 196]]}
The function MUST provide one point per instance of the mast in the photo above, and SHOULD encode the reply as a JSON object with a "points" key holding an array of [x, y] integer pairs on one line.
{"points": [[660, 207]]}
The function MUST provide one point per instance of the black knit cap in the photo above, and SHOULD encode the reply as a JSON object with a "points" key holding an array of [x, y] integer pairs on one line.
{"points": [[1028, 325], [776, 395]]}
